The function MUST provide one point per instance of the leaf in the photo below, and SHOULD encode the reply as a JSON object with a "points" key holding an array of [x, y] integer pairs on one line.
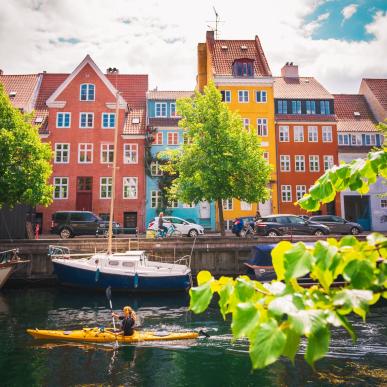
{"points": [[347, 325], [292, 344], [353, 299], [277, 255], [304, 322], [203, 277], [282, 305], [359, 273], [225, 294], [267, 345], [245, 319], [348, 240], [244, 289], [200, 297], [318, 345], [298, 261]]}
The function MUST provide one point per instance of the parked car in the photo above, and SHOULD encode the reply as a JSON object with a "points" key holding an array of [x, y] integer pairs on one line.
{"points": [[240, 224], [68, 224], [273, 225], [182, 225], [338, 225]]}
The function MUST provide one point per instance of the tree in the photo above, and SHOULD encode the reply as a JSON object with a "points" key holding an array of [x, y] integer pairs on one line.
{"points": [[25, 161], [221, 160], [275, 316]]}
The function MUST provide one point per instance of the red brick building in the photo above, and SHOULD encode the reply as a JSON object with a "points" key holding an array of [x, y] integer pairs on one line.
{"points": [[76, 114], [306, 136]]}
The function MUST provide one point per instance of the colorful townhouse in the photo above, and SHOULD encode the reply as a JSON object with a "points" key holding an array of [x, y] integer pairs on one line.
{"points": [[240, 71], [75, 113], [163, 134], [306, 133], [357, 135], [375, 92]]}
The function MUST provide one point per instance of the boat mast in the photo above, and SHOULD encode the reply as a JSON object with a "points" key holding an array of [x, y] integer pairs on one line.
{"points": [[110, 232]]}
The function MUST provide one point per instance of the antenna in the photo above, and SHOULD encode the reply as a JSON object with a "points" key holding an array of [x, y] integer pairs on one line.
{"points": [[216, 21]]}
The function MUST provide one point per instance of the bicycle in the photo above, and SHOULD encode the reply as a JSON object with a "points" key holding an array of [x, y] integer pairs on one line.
{"points": [[170, 233]]}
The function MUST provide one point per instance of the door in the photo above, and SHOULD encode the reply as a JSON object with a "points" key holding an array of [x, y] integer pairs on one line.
{"points": [[130, 222], [84, 200], [265, 208], [204, 210], [357, 209]]}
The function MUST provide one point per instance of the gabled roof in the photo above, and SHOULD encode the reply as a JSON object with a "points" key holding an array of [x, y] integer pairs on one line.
{"points": [[224, 53], [25, 88], [300, 88], [168, 95], [379, 89], [345, 107]]}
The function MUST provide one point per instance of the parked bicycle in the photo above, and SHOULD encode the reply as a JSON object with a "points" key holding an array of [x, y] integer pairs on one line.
{"points": [[171, 232]]}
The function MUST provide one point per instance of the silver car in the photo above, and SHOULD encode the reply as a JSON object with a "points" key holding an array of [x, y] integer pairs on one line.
{"points": [[338, 225]]}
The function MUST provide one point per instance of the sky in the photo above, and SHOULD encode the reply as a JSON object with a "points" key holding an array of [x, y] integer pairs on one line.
{"points": [[336, 41]]}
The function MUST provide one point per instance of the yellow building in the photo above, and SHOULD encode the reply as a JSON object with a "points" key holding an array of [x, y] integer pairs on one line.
{"points": [[240, 71]]}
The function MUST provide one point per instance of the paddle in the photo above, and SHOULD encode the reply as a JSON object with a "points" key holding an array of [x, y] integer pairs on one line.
{"points": [[109, 297]]}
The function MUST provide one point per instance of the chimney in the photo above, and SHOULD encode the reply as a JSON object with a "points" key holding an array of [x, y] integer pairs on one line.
{"points": [[210, 35], [1, 72], [290, 70]]}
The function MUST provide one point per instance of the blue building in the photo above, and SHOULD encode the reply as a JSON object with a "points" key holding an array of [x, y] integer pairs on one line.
{"points": [[163, 133]]}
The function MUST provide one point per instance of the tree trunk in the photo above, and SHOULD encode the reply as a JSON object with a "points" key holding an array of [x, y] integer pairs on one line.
{"points": [[220, 217]]}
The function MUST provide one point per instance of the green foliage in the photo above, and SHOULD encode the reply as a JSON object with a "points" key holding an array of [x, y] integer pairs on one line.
{"points": [[25, 162], [275, 316]]}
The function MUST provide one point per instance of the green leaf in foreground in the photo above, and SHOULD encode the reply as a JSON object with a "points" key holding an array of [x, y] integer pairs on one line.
{"points": [[292, 344], [200, 297], [298, 261], [245, 320], [318, 345], [360, 273]]}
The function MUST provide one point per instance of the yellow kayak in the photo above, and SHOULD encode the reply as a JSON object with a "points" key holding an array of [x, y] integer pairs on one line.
{"points": [[100, 335]]}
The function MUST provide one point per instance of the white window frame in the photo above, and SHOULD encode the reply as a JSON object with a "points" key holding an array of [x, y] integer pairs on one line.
{"points": [[172, 203], [227, 204], [132, 149], [246, 123], [286, 193], [227, 96], [245, 206], [129, 182], [298, 133], [341, 137], [108, 114], [312, 133], [358, 139], [371, 136], [161, 105], [189, 205], [243, 96], [87, 120], [285, 163], [105, 181], [262, 127], [329, 162], [170, 109], [107, 148], [173, 135], [87, 92], [284, 133], [87, 148], [156, 137], [262, 96], [314, 160], [299, 161], [300, 191], [64, 114], [154, 198], [63, 185], [327, 135], [59, 150], [155, 169]]}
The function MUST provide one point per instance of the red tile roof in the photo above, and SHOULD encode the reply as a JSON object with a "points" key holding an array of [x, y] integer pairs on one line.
{"points": [[379, 89], [25, 87], [305, 117], [345, 107], [300, 88], [135, 121], [169, 95], [225, 52]]}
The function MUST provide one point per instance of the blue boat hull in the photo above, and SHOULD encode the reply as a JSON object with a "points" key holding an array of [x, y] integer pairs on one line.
{"points": [[92, 280]]}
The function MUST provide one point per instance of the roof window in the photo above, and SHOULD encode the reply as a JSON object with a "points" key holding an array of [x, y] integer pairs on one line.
{"points": [[244, 48], [243, 68], [356, 114], [12, 94], [224, 47], [135, 120], [38, 120]]}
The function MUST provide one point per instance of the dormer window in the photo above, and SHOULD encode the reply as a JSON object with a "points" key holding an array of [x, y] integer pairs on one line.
{"points": [[87, 92], [243, 68]]}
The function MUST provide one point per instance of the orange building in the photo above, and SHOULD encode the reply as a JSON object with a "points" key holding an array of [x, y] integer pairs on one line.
{"points": [[306, 132]]}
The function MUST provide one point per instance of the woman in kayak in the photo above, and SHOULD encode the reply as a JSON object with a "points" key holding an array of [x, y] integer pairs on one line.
{"points": [[128, 321]]}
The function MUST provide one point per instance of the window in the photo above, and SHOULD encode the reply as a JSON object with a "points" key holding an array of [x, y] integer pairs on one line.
{"points": [[296, 107], [105, 191], [87, 92], [300, 191], [286, 193], [282, 107], [61, 187], [343, 139], [172, 109], [188, 205], [107, 153], [356, 140], [63, 120], [130, 187], [262, 129], [228, 225], [369, 139], [328, 162], [226, 95], [86, 120], [186, 139], [312, 134], [161, 109], [245, 206], [299, 163], [227, 204], [310, 107], [155, 169], [284, 133], [261, 96], [130, 153], [298, 134], [155, 197], [108, 120], [324, 107], [246, 123], [243, 68], [314, 163], [383, 203], [285, 163], [172, 203], [173, 138], [266, 156], [327, 133], [243, 96], [158, 138], [62, 153], [85, 153]]}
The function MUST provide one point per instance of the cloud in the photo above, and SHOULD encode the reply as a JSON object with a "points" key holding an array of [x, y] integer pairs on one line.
{"points": [[349, 11], [311, 27]]}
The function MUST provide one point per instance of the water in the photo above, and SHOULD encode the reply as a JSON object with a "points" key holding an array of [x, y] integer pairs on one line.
{"points": [[205, 362]]}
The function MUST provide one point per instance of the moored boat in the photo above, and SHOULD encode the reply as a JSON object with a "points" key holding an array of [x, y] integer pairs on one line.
{"points": [[9, 259]]}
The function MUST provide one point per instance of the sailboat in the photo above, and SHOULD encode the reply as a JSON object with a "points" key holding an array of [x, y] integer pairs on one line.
{"points": [[127, 271]]}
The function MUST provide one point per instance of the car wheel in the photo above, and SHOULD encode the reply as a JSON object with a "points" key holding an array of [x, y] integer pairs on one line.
{"points": [[355, 231], [272, 233], [65, 233], [318, 233], [193, 233]]}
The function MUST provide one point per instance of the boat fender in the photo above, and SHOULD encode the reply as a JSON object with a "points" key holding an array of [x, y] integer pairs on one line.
{"points": [[136, 280], [97, 275]]}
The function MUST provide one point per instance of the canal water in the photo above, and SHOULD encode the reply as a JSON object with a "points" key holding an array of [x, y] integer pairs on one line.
{"points": [[214, 361]]}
